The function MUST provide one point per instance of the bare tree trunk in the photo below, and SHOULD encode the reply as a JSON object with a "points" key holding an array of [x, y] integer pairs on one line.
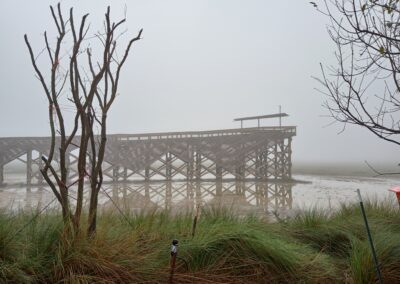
{"points": [[86, 94]]}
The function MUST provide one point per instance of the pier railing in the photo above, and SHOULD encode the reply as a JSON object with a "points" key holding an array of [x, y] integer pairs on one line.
{"points": [[203, 134]]}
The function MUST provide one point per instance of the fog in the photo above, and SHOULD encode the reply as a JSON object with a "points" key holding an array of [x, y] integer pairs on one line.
{"points": [[199, 65]]}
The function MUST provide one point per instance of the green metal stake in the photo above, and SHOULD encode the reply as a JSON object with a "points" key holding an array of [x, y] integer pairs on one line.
{"points": [[378, 271]]}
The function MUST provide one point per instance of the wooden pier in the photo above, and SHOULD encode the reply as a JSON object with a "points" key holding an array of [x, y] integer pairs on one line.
{"points": [[256, 153]]}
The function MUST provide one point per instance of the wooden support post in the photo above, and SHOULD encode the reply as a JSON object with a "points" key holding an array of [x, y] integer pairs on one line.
{"points": [[276, 160], [40, 165], [257, 194], [239, 181], [258, 165], [238, 173], [115, 173], [147, 174], [29, 169], [168, 196], [124, 193], [218, 175], [289, 160], [283, 165], [198, 193], [168, 166], [146, 183], [115, 192], [262, 193], [218, 172], [67, 165], [147, 165], [238, 187], [198, 166], [197, 173], [1, 174], [266, 195], [189, 196], [276, 195], [147, 191], [288, 187], [190, 164], [268, 162], [263, 164], [281, 159], [125, 174], [189, 179], [196, 217]]}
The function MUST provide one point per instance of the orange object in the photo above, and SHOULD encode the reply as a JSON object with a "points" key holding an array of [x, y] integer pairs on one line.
{"points": [[397, 191]]}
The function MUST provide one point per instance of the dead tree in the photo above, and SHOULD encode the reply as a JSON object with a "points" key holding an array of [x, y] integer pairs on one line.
{"points": [[92, 88], [363, 88]]}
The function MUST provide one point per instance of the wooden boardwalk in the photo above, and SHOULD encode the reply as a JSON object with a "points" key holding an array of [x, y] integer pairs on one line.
{"points": [[257, 153]]}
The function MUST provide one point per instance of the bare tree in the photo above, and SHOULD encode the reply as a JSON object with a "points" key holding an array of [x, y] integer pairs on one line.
{"points": [[92, 88], [363, 88]]}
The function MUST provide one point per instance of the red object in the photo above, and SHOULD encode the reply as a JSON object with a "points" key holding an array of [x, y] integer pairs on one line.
{"points": [[397, 191]]}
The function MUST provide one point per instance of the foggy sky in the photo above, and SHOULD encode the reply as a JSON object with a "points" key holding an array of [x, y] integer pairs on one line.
{"points": [[199, 65]]}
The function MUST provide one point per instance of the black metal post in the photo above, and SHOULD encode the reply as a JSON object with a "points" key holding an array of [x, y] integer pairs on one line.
{"points": [[378, 271], [174, 253]]}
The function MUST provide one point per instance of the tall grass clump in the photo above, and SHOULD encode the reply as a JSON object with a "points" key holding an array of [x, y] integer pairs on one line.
{"points": [[317, 228], [388, 252], [9, 266], [251, 255], [342, 234], [315, 246], [27, 238]]}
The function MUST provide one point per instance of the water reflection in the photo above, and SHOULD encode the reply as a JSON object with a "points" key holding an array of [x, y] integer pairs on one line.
{"points": [[241, 197], [238, 196]]}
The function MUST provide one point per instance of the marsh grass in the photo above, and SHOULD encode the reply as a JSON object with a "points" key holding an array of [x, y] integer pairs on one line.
{"points": [[313, 247]]}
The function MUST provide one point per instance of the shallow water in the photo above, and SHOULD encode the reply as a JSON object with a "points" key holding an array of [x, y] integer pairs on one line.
{"points": [[326, 192]]}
